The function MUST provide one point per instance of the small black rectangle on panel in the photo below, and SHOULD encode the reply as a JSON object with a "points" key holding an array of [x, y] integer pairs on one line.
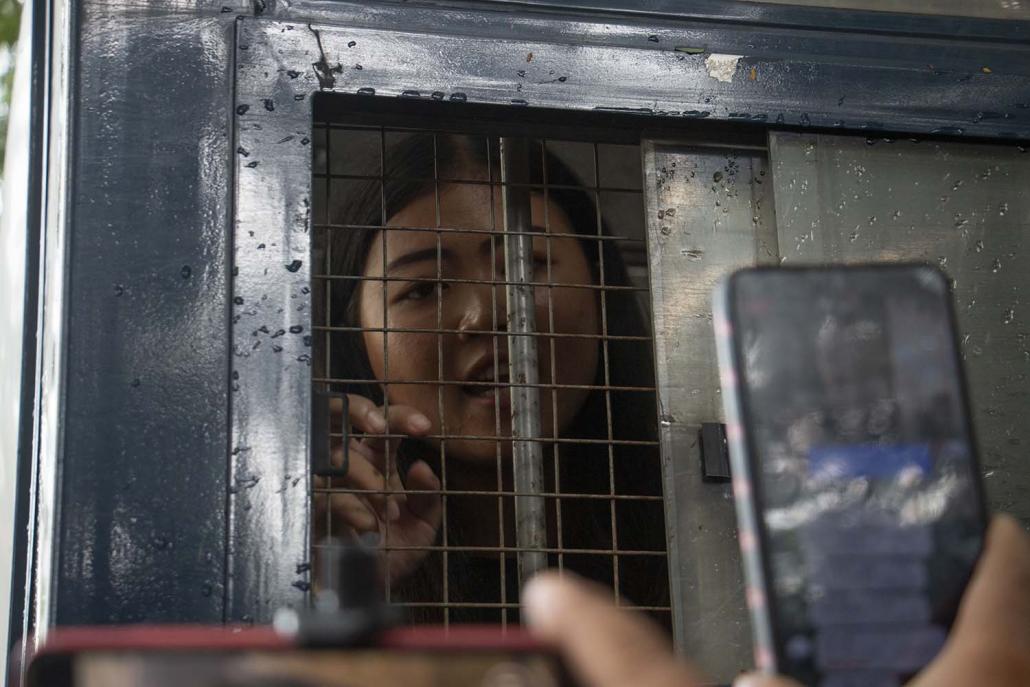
{"points": [[715, 456]]}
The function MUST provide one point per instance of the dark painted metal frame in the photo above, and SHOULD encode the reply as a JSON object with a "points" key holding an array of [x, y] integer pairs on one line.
{"points": [[280, 64], [154, 517]]}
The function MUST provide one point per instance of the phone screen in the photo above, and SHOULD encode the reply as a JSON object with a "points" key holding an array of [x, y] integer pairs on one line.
{"points": [[861, 457]]}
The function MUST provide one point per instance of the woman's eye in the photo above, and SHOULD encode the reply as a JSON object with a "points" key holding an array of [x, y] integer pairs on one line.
{"points": [[419, 291]]}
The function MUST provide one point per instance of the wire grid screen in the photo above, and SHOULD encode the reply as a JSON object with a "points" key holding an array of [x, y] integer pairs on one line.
{"points": [[409, 292]]}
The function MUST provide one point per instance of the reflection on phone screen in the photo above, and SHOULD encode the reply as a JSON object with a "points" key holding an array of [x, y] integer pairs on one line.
{"points": [[864, 467]]}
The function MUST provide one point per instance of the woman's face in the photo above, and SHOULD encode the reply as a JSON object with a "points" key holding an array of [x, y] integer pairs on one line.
{"points": [[462, 355]]}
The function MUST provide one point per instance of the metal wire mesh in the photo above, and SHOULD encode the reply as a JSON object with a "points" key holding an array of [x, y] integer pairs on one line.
{"points": [[409, 279]]}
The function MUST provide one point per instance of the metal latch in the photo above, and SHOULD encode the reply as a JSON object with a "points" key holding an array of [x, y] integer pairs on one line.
{"points": [[328, 428], [715, 454]]}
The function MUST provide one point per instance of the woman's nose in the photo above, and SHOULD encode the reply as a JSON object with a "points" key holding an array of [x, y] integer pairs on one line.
{"points": [[482, 308]]}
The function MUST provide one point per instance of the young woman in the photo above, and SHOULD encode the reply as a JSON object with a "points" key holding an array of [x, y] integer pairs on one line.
{"points": [[417, 317]]}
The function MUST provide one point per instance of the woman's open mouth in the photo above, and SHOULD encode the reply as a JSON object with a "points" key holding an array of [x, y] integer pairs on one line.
{"points": [[485, 388]]}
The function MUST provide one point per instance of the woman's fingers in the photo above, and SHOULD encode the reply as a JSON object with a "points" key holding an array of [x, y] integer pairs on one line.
{"points": [[362, 474], [349, 510], [368, 418], [604, 646], [372, 464], [425, 507], [401, 420], [364, 415]]}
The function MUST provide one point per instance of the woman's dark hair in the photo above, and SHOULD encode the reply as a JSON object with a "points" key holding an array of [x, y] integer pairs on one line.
{"points": [[411, 167]]}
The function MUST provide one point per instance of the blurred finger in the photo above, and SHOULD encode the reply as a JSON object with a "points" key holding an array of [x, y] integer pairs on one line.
{"points": [[604, 646], [990, 642], [998, 598]]}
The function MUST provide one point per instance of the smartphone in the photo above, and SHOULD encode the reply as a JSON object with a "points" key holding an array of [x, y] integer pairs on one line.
{"points": [[859, 501]]}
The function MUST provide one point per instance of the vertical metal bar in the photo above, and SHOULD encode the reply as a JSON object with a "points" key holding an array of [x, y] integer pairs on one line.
{"points": [[503, 558], [328, 269], [607, 376], [554, 357], [383, 218], [439, 388], [530, 519]]}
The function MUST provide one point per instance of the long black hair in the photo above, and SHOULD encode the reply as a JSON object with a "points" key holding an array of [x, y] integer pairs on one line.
{"points": [[412, 167]]}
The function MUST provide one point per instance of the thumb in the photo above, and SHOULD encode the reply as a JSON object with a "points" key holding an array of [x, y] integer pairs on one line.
{"points": [[990, 642], [762, 680], [603, 645]]}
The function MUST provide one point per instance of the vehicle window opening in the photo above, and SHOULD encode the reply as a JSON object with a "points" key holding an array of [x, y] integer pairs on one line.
{"points": [[410, 311]]}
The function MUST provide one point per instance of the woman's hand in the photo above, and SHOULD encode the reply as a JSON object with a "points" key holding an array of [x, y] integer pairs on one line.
{"points": [[401, 519], [607, 647]]}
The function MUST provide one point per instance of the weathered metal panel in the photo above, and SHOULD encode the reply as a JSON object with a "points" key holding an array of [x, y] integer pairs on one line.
{"points": [[709, 211], [271, 320], [958, 205], [796, 67], [141, 531]]}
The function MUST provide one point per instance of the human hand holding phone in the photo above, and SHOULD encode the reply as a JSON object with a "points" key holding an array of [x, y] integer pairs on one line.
{"points": [[608, 647], [859, 499]]}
